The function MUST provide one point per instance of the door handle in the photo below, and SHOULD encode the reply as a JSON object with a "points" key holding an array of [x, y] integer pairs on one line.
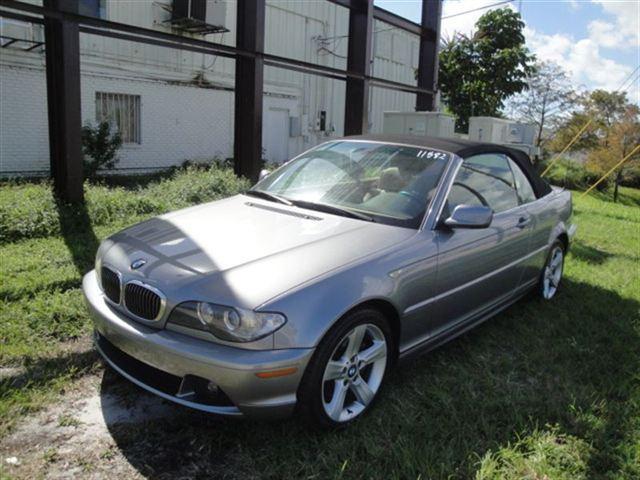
{"points": [[523, 222]]}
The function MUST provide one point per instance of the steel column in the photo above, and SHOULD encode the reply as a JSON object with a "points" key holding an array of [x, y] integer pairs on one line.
{"points": [[247, 141], [356, 107], [62, 47], [428, 56]]}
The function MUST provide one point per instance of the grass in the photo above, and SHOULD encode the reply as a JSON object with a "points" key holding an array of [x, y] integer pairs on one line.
{"points": [[544, 390]]}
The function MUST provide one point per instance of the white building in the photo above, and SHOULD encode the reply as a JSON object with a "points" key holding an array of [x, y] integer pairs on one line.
{"points": [[174, 105]]}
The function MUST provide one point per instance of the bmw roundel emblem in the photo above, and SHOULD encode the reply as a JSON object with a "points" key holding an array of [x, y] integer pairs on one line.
{"points": [[136, 264]]}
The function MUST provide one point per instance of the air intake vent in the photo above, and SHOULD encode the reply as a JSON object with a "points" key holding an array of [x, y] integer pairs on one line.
{"points": [[110, 284], [142, 302]]}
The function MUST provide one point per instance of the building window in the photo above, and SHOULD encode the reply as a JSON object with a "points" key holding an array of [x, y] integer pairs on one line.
{"points": [[92, 8], [122, 111]]}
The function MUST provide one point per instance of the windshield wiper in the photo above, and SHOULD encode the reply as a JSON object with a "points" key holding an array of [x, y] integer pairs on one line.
{"points": [[324, 207], [268, 196]]}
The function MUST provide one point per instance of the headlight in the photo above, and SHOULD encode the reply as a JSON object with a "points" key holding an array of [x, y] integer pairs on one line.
{"points": [[227, 323]]}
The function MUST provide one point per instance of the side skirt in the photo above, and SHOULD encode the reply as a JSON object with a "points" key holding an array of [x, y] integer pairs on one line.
{"points": [[463, 327]]}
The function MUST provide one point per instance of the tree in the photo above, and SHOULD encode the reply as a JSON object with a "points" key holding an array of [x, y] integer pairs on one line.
{"points": [[599, 108], [478, 73], [546, 101], [619, 140], [99, 147]]}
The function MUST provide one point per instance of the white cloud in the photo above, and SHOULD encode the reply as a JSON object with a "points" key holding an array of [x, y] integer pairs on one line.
{"points": [[582, 59], [625, 31]]}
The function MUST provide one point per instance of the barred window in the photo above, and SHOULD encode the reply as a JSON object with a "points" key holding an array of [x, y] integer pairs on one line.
{"points": [[122, 111]]}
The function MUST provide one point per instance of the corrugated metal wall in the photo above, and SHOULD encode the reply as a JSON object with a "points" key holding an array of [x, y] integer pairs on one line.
{"points": [[313, 31]]}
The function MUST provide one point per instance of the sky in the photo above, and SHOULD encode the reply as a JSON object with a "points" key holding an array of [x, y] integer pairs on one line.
{"points": [[596, 41]]}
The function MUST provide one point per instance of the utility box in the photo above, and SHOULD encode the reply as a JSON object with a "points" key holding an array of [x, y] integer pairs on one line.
{"points": [[500, 130], [199, 16], [430, 124]]}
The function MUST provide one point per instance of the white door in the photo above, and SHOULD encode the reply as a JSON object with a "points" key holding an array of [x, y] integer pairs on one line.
{"points": [[275, 135]]}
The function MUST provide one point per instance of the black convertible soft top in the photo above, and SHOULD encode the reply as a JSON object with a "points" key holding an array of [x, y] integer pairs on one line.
{"points": [[465, 149]]}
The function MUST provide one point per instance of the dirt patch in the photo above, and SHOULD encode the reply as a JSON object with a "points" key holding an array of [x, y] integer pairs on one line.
{"points": [[72, 438]]}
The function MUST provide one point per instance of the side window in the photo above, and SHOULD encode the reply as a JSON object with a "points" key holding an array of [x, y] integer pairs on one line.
{"points": [[523, 185], [484, 180]]}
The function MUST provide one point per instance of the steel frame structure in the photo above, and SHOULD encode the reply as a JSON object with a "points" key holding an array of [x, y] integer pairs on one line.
{"points": [[63, 26]]}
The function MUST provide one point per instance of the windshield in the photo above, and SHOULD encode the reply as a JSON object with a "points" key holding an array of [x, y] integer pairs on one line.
{"points": [[389, 184]]}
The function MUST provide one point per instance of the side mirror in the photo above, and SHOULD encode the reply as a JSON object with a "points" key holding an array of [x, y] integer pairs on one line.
{"points": [[263, 173], [470, 216]]}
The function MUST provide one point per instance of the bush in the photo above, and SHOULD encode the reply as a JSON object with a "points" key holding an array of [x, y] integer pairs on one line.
{"points": [[99, 146], [569, 174], [30, 210]]}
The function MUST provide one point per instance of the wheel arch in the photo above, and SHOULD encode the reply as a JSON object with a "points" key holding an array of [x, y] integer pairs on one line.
{"points": [[564, 238], [389, 311]]}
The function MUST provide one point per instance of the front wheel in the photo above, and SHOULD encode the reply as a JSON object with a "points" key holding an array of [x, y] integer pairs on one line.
{"points": [[552, 272], [347, 369]]}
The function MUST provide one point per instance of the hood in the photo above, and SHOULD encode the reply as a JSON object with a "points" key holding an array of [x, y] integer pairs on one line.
{"points": [[243, 251]]}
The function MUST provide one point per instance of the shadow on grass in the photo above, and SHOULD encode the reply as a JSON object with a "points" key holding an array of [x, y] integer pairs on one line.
{"points": [[78, 235], [10, 294], [570, 362], [588, 253]]}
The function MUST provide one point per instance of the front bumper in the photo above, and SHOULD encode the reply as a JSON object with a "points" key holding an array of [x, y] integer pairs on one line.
{"points": [[145, 356]]}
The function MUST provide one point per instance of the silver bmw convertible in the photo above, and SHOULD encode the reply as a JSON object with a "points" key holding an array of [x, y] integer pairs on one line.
{"points": [[301, 293]]}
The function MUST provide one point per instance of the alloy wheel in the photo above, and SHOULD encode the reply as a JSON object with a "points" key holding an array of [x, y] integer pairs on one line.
{"points": [[552, 273], [354, 373]]}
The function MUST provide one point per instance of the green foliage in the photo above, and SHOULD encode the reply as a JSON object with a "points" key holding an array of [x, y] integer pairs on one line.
{"points": [[99, 146], [28, 210], [571, 174], [602, 109], [542, 454], [478, 73]]}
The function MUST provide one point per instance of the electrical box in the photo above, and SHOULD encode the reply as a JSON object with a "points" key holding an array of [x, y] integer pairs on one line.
{"points": [[502, 131], [199, 16], [430, 124]]}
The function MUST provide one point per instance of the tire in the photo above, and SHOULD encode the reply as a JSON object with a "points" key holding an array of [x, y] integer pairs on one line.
{"points": [[551, 274], [339, 386]]}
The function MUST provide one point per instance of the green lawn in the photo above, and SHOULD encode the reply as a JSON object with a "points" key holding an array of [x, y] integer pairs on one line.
{"points": [[544, 390]]}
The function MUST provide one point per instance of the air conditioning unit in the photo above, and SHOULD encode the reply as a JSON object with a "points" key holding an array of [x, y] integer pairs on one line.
{"points": [[500, 130], [199, 16], [431, 124]]}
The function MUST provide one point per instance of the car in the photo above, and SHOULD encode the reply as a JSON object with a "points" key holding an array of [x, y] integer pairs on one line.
{"points": [[300, 294]]}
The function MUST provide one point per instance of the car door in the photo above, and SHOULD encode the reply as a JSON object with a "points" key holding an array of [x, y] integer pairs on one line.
{"points": [[479, 268], [542, 222]]}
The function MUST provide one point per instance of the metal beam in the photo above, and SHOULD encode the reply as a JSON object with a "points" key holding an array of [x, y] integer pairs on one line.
{"points": [[249, 77], [356, 103], [62, 39], [428, 55], [387, 17], [106, 28]]}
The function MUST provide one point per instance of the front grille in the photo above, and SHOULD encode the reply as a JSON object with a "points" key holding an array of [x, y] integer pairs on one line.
{"points": [[110, 284], [142, 302]]}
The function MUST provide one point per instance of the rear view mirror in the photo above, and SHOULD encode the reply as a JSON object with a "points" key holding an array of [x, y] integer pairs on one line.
{"points": [[470, 216]]}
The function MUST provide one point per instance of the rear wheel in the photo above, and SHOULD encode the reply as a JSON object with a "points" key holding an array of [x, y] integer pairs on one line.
{"points": [[552, 273], [347, 370]]}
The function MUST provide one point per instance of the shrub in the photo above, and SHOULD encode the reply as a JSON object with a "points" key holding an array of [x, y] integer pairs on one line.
{"points": [[30, 210], [570, 174], [99, 146]]}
